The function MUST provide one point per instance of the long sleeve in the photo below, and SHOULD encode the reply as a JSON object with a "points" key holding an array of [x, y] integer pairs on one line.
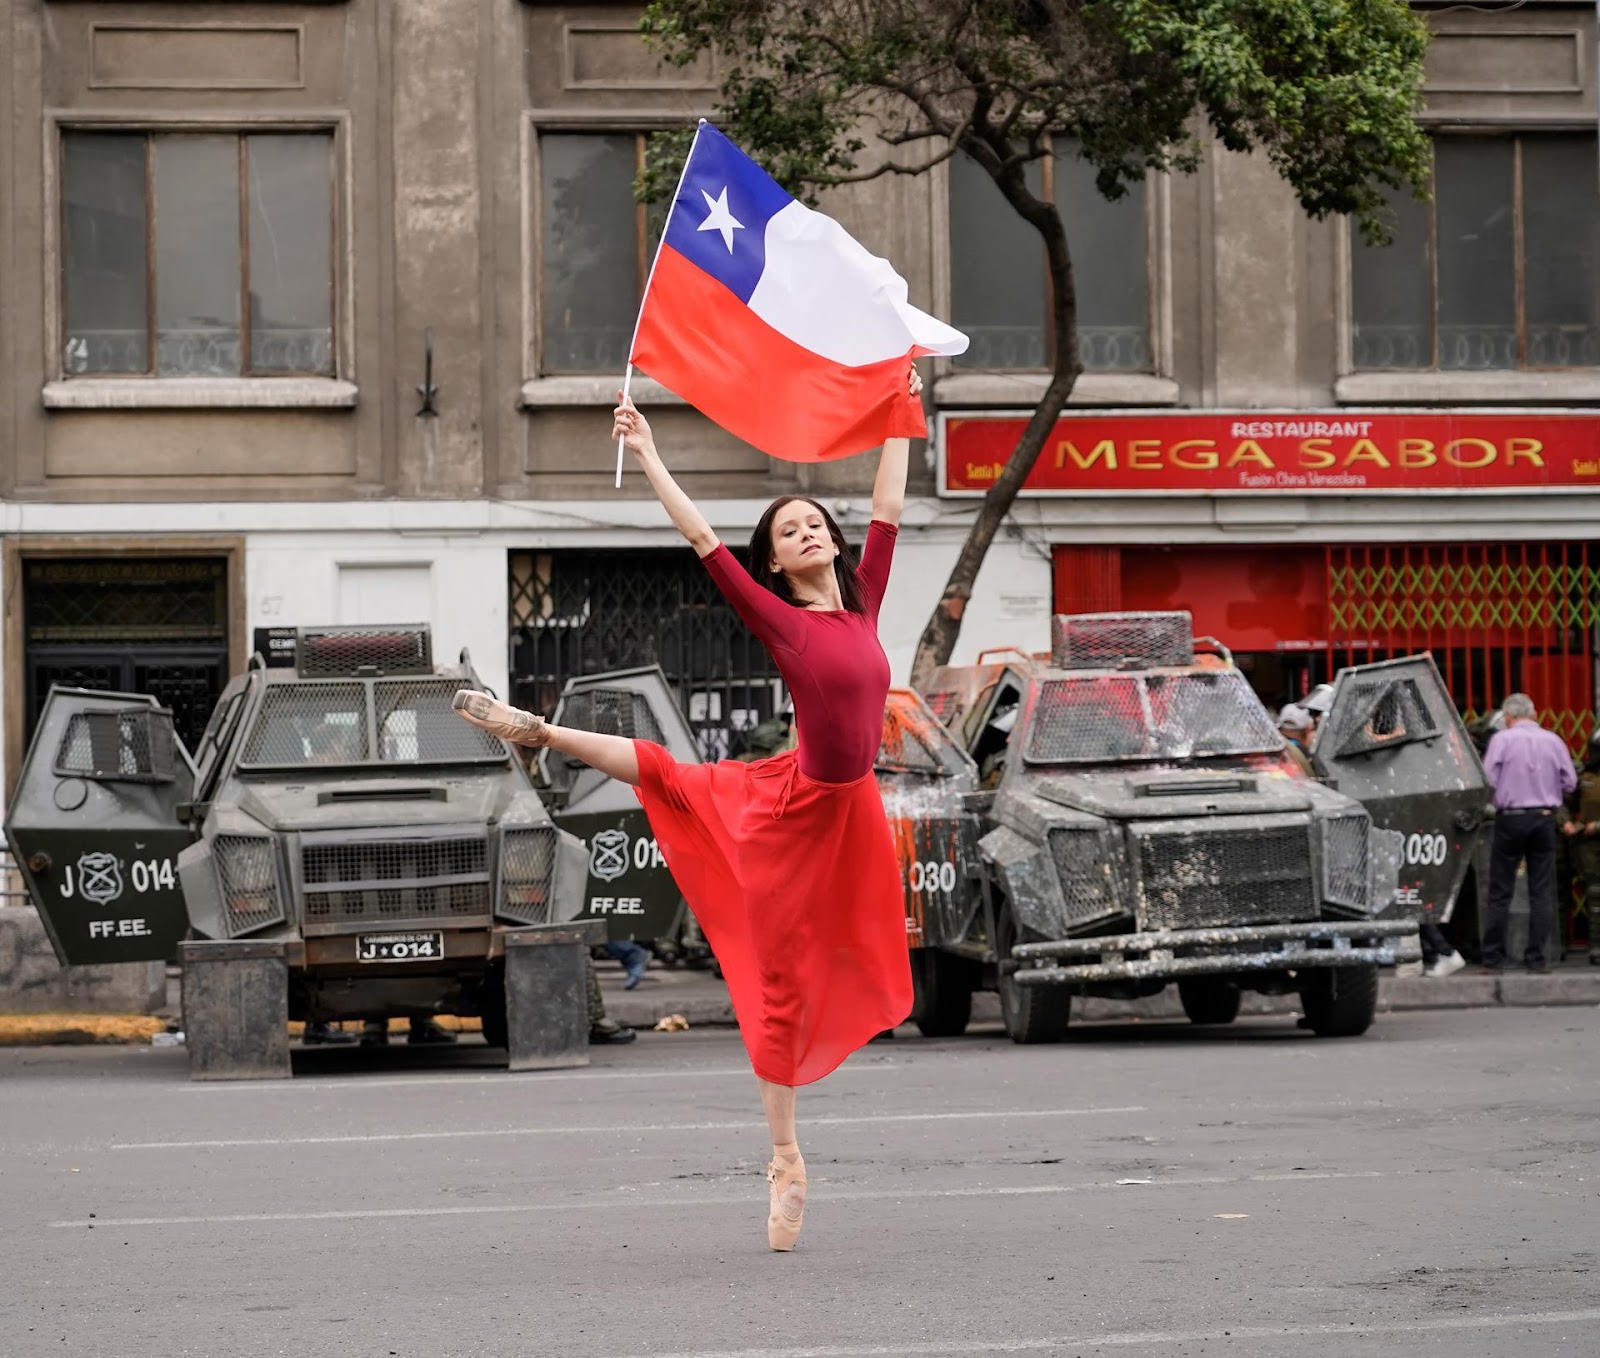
{"points": [[876, 558], [775, 623]]}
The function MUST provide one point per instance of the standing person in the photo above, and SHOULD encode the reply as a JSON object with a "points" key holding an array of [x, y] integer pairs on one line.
{"points": [[1295, 725], [788, 862], [1531, 773], [1584, 841]]}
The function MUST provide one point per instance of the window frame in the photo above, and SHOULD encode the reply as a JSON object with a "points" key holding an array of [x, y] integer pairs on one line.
{"points": [[1356, 384], [539, 386], [1153, 386], [65, 390]]}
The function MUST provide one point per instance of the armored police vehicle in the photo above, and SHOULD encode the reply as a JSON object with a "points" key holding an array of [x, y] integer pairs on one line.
{"points": [[337, 821], [1145, 825], [629, 886]]}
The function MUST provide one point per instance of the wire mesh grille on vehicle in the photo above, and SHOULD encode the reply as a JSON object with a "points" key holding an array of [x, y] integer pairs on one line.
{"points": [[415, 722], [1344, 860], [1382, 713], [331, 652], [1108, 641], [1208, 713], [356, 880], [1214, 877], [310, 724], [907, 745], [611, 712], [247, 872], [1085, 721], [527, 861], [129, 747], [1084, 872]]}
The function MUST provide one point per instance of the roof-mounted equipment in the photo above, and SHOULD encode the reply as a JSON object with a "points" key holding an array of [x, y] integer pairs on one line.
{"points": [[1121, 641], [363, 652]]}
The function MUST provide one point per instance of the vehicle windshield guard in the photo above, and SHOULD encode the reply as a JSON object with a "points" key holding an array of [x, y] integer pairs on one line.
{"points": [[1111, 719], [362, 723]]}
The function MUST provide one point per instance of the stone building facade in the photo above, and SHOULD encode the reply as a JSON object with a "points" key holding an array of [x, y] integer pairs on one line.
{"points": [[315, 312]]}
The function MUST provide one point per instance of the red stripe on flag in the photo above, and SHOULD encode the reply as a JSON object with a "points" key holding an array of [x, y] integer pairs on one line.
{"points": [[699, 340]]}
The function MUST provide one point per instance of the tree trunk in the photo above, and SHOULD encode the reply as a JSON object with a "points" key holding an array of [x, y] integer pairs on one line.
{"points": [[944, 626]]}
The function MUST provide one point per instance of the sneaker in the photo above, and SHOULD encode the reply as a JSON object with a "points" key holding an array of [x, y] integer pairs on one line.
{"points": [[1448, 965], [606, 1033]]}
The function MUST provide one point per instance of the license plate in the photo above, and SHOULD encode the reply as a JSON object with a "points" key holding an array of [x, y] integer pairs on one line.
{"points": [[399, 947]]}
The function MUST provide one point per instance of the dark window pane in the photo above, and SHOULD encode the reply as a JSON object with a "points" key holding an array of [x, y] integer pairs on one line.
{"points": [[997, 272], [1561, 241], [589, 282], [103, 214], [1107, 240], [1477, 274], [1389, 287], [197, 256], [291, 265]]}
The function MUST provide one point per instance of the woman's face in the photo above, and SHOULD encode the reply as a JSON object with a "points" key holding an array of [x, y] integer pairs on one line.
{"points": [[800, 539]]}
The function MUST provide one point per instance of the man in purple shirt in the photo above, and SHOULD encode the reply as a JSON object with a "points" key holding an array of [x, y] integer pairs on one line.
{"points": [[1531, 772]]}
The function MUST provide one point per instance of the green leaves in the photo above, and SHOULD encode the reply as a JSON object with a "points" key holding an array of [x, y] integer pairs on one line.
{"points": [[834, 90]]}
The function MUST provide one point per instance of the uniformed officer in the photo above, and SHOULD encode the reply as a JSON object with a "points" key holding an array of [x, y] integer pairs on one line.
{"points": [[1583, 839]]}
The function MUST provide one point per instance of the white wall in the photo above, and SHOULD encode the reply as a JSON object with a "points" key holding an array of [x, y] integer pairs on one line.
{"points": [[456, 584]]}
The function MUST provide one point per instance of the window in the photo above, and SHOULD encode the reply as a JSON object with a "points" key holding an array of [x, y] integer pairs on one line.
{"points": [[998, 276], [198, 254], [1501, 270], [595, 247]]}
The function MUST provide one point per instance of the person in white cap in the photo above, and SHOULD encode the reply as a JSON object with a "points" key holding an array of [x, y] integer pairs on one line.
{"points": [[1295, 725]]}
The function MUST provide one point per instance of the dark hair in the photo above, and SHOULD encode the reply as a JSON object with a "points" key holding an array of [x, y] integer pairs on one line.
{"points": [[844, 564]]}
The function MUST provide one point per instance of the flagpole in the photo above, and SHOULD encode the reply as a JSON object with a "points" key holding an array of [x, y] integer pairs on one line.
{"points": [[627, 377]]}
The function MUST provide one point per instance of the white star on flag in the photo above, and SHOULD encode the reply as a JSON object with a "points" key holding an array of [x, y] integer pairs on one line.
{"points": [[720, 219]]}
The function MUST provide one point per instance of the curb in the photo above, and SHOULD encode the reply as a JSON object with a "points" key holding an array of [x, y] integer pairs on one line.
{"points": [[78, 1030], [707, 1006]]}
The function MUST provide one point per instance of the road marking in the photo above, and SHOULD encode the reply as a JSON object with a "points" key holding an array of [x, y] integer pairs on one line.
{"points": [[500, 1079], [611, 1128], [633, 1202], [1150, 1338]]}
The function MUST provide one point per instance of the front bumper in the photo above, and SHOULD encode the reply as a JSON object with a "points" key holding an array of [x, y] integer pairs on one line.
{"points": [[1169, 954]]}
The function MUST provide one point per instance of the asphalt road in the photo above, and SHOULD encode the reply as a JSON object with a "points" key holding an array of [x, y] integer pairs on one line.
{"points": [[1146, 1189]]}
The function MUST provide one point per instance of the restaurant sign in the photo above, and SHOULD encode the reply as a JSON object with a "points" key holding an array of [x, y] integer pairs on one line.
{"points": [[1222, 452]]}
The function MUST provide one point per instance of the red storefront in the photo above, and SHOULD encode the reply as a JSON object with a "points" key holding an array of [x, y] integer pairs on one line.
{"points": [[1498, 616]]}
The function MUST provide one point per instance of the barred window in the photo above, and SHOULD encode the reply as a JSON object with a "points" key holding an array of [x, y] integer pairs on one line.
{"points": [[1501, 270], [999, 283], [198, 254]]}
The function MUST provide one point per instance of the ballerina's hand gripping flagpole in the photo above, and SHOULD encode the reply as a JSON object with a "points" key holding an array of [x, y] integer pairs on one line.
{"points": [[770, 319]]}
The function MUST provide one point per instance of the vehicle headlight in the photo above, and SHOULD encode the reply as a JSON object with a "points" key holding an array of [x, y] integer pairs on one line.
{"points": [[527, 864], [247, 871]]}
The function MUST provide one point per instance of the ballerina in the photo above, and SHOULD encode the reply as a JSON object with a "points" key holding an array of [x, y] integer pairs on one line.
{"points": [[788, 862]]}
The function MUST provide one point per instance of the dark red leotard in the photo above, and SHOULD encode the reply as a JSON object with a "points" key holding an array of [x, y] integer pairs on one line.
{"points": [[788, 863], [833, 663]]}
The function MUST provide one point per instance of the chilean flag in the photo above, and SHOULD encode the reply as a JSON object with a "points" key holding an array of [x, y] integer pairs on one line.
{"points": [[771, 320]]}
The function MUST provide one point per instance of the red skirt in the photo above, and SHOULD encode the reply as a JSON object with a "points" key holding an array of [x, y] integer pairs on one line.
{"points": [[797, 886]]}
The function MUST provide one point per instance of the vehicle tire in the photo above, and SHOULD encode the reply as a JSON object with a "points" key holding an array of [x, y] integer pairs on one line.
{"points": [[1340, 1001], [1210, 999], [943, 986], [1031, 1013], [496, 1027]]}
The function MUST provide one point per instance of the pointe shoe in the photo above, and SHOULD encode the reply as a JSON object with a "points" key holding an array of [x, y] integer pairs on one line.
{"points": [[498, 718], [783, 1218]]}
